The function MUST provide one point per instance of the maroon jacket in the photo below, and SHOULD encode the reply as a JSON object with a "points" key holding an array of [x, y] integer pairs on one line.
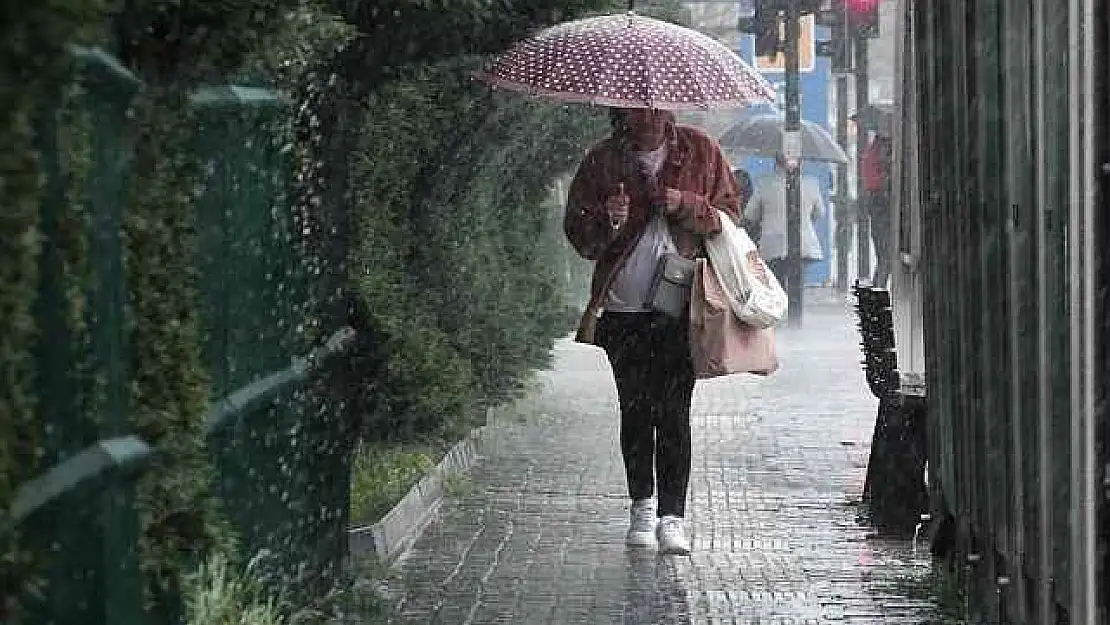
{"points": [[694, 165]]}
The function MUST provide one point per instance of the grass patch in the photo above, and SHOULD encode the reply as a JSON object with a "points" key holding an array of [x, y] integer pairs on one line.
{"points": [[459, 486], [220, 593], [382, 474], [361, 600]]}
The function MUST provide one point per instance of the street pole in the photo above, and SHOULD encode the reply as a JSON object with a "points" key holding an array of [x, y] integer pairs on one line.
{"points": [[834, 15], [843, 214], [792, 152], [863, 220]]}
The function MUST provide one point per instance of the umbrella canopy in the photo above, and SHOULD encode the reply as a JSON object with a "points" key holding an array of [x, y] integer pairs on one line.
{"points": [[762, 136], [878, 116], [629, 61]]}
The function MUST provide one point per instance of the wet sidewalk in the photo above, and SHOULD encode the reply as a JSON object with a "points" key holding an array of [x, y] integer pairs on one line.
{"points": [[537, 535]]}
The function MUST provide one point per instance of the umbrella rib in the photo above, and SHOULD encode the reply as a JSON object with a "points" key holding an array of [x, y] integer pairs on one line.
{"points": [[649, 83]]}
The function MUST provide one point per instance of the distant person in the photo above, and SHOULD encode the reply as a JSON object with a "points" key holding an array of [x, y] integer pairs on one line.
{"points": [[744, 187], [652, 187], [766, 211], [875, 162]]}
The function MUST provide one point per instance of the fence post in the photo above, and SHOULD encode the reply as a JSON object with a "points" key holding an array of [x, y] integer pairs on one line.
{"points": [[110, 89]]}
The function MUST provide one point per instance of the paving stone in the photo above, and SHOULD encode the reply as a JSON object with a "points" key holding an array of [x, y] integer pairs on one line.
{"points": [[539, 539]]}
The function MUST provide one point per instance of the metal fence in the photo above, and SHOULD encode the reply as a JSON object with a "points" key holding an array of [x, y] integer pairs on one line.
{"points": [[1011, 246], [268, 437]]}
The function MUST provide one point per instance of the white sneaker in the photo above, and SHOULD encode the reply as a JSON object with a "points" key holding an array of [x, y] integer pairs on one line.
{"points": [[641, 526], [672, 538]]}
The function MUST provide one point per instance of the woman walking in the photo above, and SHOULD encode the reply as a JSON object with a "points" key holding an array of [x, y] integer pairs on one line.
{"points": [[651, 188]]}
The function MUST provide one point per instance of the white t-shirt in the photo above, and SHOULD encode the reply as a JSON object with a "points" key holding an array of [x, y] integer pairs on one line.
{"points": [[767, 207], [651, 162], [631, 287]]}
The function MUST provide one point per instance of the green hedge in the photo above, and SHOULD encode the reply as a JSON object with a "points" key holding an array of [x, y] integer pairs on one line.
{"points": [[458, 251], [170, 392], [450, 209], [170, 42]]}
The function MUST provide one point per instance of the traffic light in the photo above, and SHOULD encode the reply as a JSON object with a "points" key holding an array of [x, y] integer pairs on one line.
{"points": [[863, 17], [765, 25], [767, 40], [833, 15]]}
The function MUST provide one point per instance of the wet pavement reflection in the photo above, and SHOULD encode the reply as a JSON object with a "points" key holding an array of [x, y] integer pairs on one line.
{"points": [[778, 463]]}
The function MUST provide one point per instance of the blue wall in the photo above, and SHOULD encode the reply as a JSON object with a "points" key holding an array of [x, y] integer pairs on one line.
{"points": [[815, 107]]}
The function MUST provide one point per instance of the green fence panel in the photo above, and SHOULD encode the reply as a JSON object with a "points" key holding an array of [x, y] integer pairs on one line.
{"points": [[279, 439], [260, 459], [87, 540], [239, 220], [253, 291], [98, 478], [281, 496]]}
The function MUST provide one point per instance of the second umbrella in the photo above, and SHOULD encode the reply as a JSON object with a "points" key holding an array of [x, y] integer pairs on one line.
{"points": [[762, 136]]}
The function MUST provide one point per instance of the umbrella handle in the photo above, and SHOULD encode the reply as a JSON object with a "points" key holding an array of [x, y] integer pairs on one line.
{"points": [[614, 223]]}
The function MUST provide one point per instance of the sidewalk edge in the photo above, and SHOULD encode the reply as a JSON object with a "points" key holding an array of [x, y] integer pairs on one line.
{"points": [[388, 539]]}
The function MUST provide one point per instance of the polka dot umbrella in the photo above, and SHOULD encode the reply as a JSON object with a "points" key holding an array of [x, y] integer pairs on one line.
{"points": [[628, 61]]}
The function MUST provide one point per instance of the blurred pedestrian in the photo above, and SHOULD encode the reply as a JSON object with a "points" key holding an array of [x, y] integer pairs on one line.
{"points": [[875, 162], [651, 188], [767, 212]]}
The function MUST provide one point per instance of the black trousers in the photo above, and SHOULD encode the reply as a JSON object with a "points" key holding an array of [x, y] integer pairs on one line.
{"points": [[781, 268], [878, 209], [650, 357]]}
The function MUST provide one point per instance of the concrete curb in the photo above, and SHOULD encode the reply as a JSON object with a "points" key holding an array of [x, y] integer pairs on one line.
{"points": [[387, 540], [390, 537]]}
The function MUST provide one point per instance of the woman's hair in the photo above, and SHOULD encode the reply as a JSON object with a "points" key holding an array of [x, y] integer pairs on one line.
{"points": [[743, 178], [616, 120], [744, 185], [618, 125]]}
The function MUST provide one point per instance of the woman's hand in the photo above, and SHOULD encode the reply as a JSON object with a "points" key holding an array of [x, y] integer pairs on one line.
{"points": [[689, 211], [616, 205], [670, 199]]}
